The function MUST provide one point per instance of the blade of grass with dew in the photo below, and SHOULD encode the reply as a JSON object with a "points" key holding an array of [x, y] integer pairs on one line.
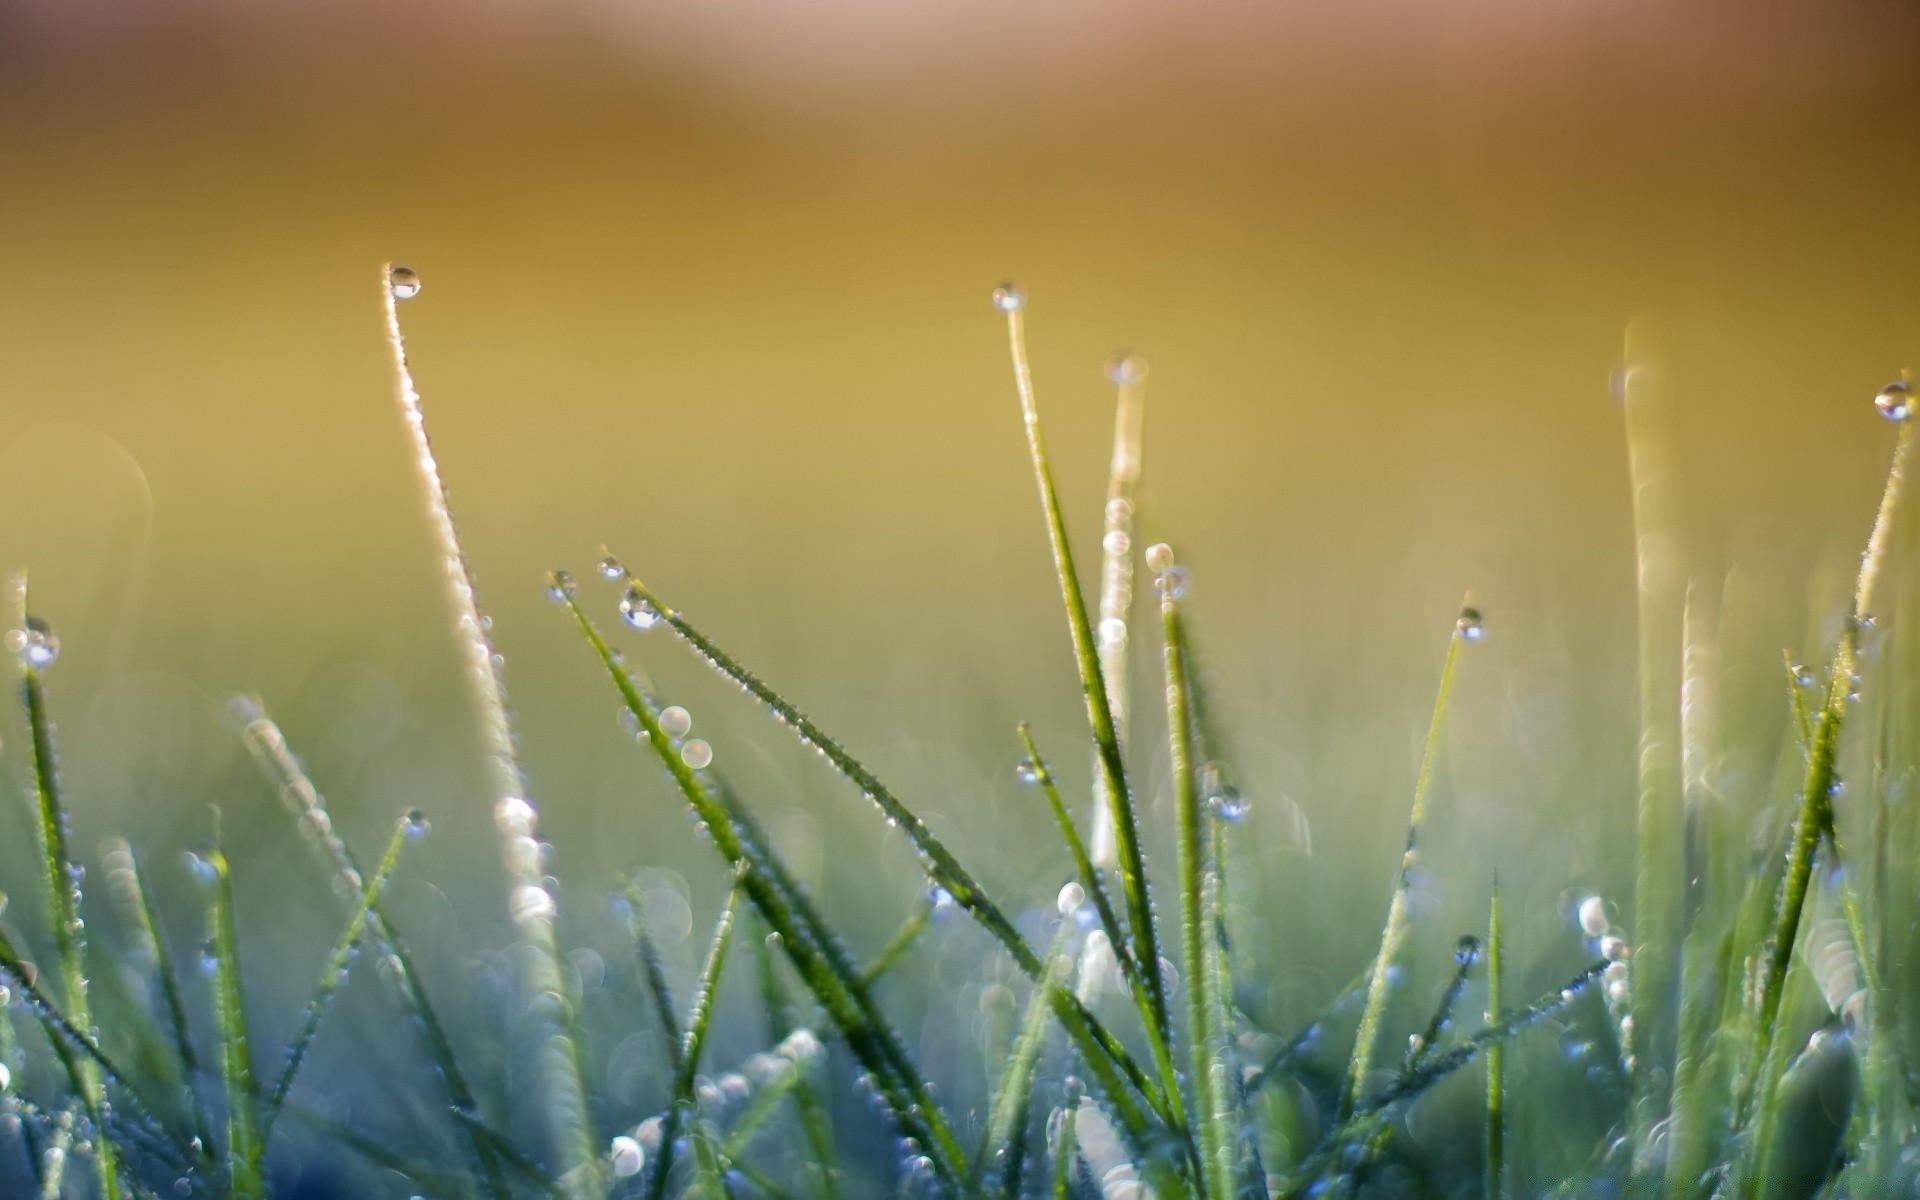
{"points": [[1144, 945], [1064, 1152], [53, 1157], [36, 647], [1128, 373], [531, 907], [1101, 1049], [244, 1147], [1496, 1057], [331, 976], [1659, 885], [1816, 811], [803, 937], [127, 884], [686, 1060], [267, 744], [822, 1162], [1004, 1140], [1203, 1039], [1394, 932]]}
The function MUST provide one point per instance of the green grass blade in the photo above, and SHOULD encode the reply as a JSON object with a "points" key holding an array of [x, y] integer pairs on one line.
{"points": [[1394, 932], [128, 884], [803, 937], [244, 1147], [1064, 1152], [60, 874], [1496, 1057], [1128, 855], [898, 945], [331, 976], [654, 976], [1466, 953], [531, 907], [686, 1060], [1204, 1040], [1103, 1051], [822, 1161], [1014, 1093], [268, 745]]}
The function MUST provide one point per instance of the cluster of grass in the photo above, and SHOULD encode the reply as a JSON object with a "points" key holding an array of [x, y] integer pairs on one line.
{"points": [[1750, 1004]]}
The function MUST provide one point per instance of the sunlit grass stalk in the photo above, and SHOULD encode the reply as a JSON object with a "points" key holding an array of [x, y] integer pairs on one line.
{"points": [[1004, 1143], [531, 907], [1816, 812], [1394, 932], [1103, 1052], [803, 937], [331, 976], [1128, 855], [62, 891], [1204, 1048], [1129, 376], [1496, 1057], [268, 746], [54, 1156], [244, 1146]]}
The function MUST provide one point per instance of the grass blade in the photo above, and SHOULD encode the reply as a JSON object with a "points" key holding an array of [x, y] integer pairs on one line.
{"points": [[822, 1162], [1144, 945], [268, 745], [1394, 932], [35, 648], [898, 945], [531, 906], [1128, 374], [1205, 1070], [686, 1061], [244, 1146], [332, 974], [1004, 1135], [1496, 1057]]}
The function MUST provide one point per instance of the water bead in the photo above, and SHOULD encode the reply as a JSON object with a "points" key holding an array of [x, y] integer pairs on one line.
{"points": [[1172, 583], [37, 645], [1126, 370], [1071, 897], [1895, 401], [676, 721], [1008, 298], [940, 898], [1470, 627], [610, 568], [1027, 771], [626, 1157], [638, 611], [697, 754], [560, 586], [531, 902], [417, 824], [1614, 949], [1159, 556], [1802, 677], [403, 282], [1466, 951], [1593, 916]]}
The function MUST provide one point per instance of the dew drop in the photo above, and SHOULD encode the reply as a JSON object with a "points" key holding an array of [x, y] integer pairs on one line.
{"points": [[941, 899], [675, 721], [1008, 298], [531, 902], [1895, 401], [1027, 771], [1470, 627], [560, 586], [1593, 916], [1159, 556], [1126, 370], [1216, 785], [404, 282], [1466, 951], [697, 754], [1071, 897], [627, 1157], [1172, 583], [1802, 677], [638, 611], [1614, 949], [37, 645], [417, 824], [610, 568]]}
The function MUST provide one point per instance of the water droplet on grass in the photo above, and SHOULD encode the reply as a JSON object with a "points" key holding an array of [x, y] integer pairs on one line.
{"points": [[1895, 401], [37, 645], [1027, 771], [1071, 897], [1008, 298], [417, 824], [1159, 556], [627, 1157], [610, 568], [697, 754], [638, 611], [1126, 370], [1470, 627], [560, 586], [676, 722], [1466, 951], [404, 282]]}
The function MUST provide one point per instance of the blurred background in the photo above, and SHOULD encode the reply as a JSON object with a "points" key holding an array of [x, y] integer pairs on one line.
{"points": [[708, 283]]}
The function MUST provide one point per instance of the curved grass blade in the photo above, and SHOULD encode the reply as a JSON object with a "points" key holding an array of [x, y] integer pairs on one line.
{"points": [[244, 1146], [822, 1162], [898, 945], [1394, 933], [1102, 1050], [127, 883], [1131, 861], [1206, 1070], [331, 977], [268, 746], [686, 1060], [60, 875], [803, 936], [1815, 818], [531, 907], [1064, 1153]]}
